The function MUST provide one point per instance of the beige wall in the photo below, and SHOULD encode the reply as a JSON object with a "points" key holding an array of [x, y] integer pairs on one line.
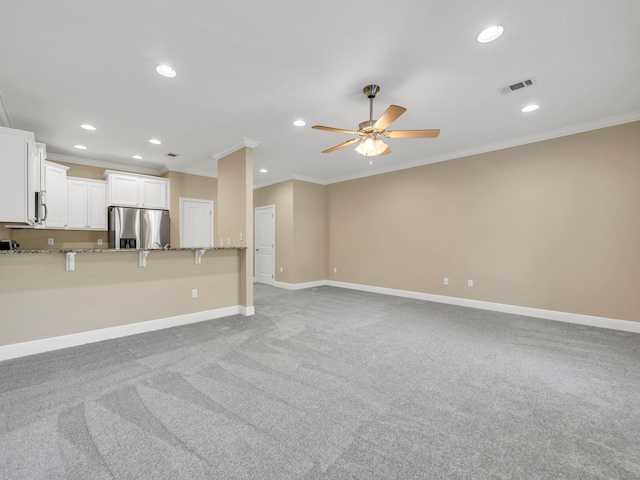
{"points": [[309, 226], [231, 198], [30, 239], [235, 213], [300, 229], [82, 171], [39, 299], [281, 196], [190, 186], [551, 225], [5, 233]]}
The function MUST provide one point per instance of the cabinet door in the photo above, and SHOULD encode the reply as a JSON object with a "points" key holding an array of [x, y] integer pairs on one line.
{"points": [[155, 193], [55, 179], [77, 191], [13, 180], [124, 190], [97, 205]]}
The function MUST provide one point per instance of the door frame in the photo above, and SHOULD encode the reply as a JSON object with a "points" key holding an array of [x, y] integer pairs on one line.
{"points": [[255, 242], [182, 218]]}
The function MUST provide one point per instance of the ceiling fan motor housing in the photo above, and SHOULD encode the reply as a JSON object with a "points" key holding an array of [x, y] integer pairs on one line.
{"points": [[366, 126]]}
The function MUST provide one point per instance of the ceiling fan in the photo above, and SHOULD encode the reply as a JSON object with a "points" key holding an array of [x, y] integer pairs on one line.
{"points": [[369, 132]]}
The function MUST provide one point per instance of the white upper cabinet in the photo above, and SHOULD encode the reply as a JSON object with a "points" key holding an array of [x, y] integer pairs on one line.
{"points": [[87, 204], [131, 190], [155, 193], [55, 195], [124, 190], [20, 167]]}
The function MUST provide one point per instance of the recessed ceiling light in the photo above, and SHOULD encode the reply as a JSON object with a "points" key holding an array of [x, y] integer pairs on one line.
{"points": [[81, 147], [155, 141], [166, 71], [137, 157], [88, 127], [530, 108], [299, 123], [264, 170], [490, 34]]}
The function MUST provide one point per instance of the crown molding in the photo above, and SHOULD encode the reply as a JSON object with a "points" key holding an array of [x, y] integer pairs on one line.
{"points": [[272, 182], [245, 142], [301, 178], [101, 164], [492, 147], [190, 171]]}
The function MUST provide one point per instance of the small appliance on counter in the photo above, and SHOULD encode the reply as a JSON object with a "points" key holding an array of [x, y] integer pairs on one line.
{"points": [[138, 228], [8, 245]]}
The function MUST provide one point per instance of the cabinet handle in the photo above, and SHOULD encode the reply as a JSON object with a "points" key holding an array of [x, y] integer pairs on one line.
{"points": [[46, 211]]}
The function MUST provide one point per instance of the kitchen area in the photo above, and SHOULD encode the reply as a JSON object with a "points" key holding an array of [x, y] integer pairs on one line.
{"points": [[89, 253]]}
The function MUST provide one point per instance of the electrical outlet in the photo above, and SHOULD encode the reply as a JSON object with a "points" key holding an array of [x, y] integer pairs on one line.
{"points": [[470, 283], [50, 241], [335, 270], [99, 242], [229, 241], [446, 280], [194, 293], [221, 242], [281, 269], [241, 236]]}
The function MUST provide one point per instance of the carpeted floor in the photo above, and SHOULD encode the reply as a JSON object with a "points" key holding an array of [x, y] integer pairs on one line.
{"points": [[329, 383]]}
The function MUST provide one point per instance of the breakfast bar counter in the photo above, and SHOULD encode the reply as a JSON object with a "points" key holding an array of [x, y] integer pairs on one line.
{"points": [[55, 297]]}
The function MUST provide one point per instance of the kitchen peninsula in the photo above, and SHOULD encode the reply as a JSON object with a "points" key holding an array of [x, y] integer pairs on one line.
{"points": [[45, 305], [108, 294]]}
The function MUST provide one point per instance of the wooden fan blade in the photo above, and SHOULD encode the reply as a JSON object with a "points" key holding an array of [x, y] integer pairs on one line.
{"points": [[413, 133], [342, 145], [331, 129], [389, 116]]}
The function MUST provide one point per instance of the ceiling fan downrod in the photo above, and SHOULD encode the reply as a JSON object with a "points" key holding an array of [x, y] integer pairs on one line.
{"points": [[371, 91]]}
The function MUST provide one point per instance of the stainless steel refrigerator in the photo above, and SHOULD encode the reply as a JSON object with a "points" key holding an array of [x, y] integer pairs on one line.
{"points": [[138, 228]]}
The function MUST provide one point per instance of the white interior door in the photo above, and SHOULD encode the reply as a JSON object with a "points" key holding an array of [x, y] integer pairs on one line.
{"points": [[196, 223], [265, 261]]}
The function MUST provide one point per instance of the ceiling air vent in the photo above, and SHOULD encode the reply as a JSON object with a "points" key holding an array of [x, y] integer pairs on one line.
{"points": [[170, 154], [529, 82]]}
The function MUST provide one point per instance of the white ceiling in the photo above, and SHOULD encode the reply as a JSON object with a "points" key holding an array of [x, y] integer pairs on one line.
{"points": [[248, 69]]}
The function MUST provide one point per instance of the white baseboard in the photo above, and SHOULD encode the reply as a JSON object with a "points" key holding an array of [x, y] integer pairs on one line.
{"points": [[75, 339], [300, 286], [602, 322]]}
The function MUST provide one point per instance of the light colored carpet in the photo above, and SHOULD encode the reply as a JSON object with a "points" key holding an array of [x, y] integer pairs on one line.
{"points": [[330, 383]]}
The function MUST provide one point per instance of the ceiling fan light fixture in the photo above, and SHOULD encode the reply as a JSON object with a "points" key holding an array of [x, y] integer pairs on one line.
{"points": [[490, 34], [371, 146]]}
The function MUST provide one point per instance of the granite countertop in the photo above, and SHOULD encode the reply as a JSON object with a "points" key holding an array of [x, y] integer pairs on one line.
{"points": [[112, 250]]}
